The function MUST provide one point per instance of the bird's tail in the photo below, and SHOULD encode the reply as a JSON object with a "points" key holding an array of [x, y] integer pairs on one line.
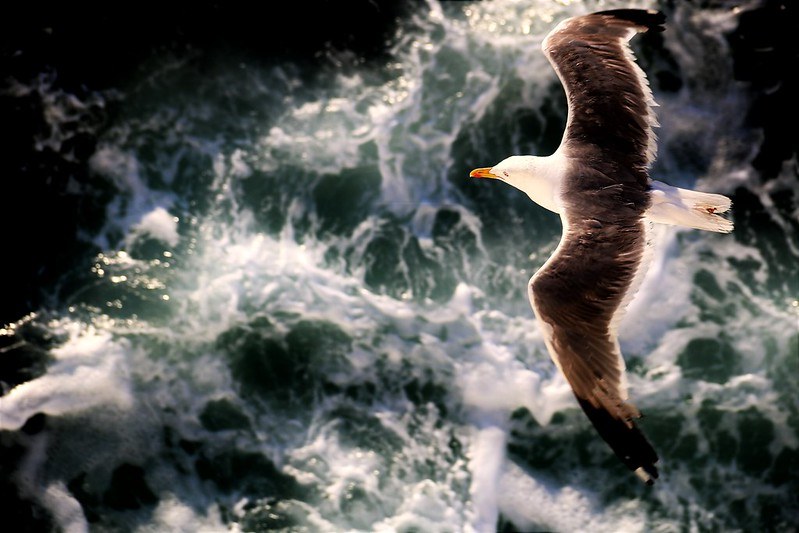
{"points": [[692, 209], [626, 441]]}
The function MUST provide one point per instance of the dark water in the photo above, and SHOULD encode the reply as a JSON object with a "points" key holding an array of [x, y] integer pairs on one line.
{"points": [[249, 285]]}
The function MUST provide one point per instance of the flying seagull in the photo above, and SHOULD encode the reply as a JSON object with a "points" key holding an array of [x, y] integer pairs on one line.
{"points": [[598, 182]]}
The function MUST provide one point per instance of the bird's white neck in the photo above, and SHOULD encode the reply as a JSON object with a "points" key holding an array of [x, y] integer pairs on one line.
{"points": [[540, 178]]}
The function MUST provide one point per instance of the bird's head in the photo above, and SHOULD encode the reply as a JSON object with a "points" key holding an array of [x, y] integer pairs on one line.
{"points": [[514, 170], [535, 176]]}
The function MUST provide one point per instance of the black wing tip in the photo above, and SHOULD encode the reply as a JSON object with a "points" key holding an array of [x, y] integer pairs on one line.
{"points": [[626, 441], [650, 19]]}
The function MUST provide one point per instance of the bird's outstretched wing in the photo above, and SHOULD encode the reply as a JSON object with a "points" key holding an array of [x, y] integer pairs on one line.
{"points": [[582, 290], [610, 103], [576, 296]]}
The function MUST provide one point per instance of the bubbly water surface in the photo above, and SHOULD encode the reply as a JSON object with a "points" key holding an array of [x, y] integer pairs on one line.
{"points": [[301, 314]]}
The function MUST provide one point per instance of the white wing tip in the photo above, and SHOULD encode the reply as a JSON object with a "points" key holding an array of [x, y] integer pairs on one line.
{"points": [[644, 475]]}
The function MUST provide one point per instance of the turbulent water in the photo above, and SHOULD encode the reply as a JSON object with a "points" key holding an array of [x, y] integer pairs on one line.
{"points": [[288, 307]]}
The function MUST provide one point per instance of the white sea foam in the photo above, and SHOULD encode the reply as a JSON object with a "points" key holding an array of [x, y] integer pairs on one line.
{"points": [[136, 203], [486, 465], [655, 309], [422, 509], [67, 511], [90, 370], [489, 363], [157, 224], [564, 508], [172, 514]]}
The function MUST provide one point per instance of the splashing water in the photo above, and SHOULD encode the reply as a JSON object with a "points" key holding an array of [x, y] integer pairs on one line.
{"points": [[298, 313]]}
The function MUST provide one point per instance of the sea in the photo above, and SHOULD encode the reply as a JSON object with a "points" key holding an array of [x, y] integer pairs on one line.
{"points": [[268, 296]]}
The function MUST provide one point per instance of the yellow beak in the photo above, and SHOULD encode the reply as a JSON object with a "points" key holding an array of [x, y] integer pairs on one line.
{"points": [[483, 173]]}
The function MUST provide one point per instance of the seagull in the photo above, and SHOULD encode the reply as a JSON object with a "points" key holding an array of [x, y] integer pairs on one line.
{"points": [[598, 182]]}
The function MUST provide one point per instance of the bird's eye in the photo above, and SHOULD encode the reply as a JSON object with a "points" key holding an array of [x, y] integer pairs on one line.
{"points": [[505, 173]]}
